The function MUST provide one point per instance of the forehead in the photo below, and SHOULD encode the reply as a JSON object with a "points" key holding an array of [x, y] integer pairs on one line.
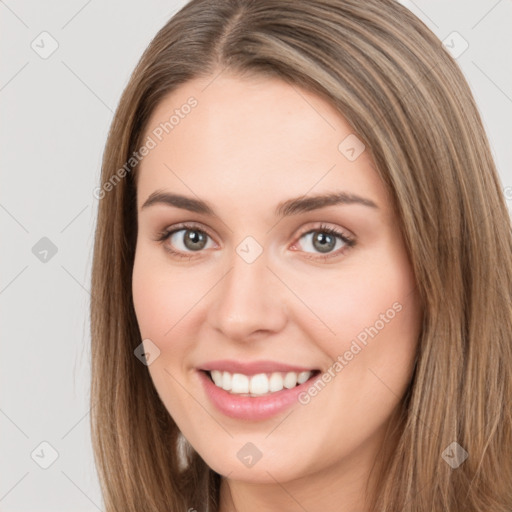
{"points": [[250, 140], [234, 112]]}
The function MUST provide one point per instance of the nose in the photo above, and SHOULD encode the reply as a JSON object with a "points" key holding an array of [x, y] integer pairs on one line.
{"points": [[249, 301]]}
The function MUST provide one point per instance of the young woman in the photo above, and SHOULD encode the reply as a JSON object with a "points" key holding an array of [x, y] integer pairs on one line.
{"points": [[302, 274]]}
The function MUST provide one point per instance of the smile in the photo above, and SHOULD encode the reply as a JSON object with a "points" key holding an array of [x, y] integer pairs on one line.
{"points": [[259, 384], [254, 396]]}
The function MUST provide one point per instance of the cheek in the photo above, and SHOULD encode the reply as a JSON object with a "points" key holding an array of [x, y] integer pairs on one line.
{"points": [[161, 294], [363, 293], [371, 320], [151, 301], [375, 314], [162, 297]]}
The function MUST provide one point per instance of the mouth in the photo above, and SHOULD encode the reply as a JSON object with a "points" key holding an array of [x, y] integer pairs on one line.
{"points": [[260, 384], [255, 397], [254, 390]]}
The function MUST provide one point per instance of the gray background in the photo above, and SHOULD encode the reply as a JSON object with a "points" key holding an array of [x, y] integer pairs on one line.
{"points": [[55, 114]]}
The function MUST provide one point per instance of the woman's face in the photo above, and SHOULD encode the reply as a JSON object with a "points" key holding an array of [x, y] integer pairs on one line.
{"points": [[259, 293]]}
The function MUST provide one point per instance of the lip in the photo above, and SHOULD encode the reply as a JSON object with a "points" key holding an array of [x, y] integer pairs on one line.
{"points": [[252, 368], [252, 408]]}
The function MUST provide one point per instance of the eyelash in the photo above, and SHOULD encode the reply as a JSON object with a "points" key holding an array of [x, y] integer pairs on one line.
{"points": [[350, 242]]}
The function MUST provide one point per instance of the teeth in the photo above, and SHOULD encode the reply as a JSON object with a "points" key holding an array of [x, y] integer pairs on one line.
{"points": [[260, 384], [290, 381], [217, 377], [303, 377], [226, 381], [276, 382], [239, 383]]}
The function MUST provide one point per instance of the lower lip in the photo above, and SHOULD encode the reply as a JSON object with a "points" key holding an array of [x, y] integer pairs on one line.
{"points": [[252, 408]]}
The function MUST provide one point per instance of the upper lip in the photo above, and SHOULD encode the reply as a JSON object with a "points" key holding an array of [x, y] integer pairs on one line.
{"points": [[252, 367]]}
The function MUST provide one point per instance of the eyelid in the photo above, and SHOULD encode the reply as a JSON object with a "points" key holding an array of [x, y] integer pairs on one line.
{"points": [[321, 226], [191, 225]]}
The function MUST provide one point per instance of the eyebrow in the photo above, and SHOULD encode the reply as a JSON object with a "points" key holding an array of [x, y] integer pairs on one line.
{"points": [[286, 208]]}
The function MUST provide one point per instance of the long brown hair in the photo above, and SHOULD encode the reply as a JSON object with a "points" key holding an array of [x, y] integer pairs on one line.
{"points": [[407, 100]]}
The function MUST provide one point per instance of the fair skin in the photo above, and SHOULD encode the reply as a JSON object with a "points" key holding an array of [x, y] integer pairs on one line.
{"points": [[248, 145]]}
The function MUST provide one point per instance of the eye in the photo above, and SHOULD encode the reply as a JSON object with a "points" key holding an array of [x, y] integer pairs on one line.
{"points": [[325, 240], [187, 238]]}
